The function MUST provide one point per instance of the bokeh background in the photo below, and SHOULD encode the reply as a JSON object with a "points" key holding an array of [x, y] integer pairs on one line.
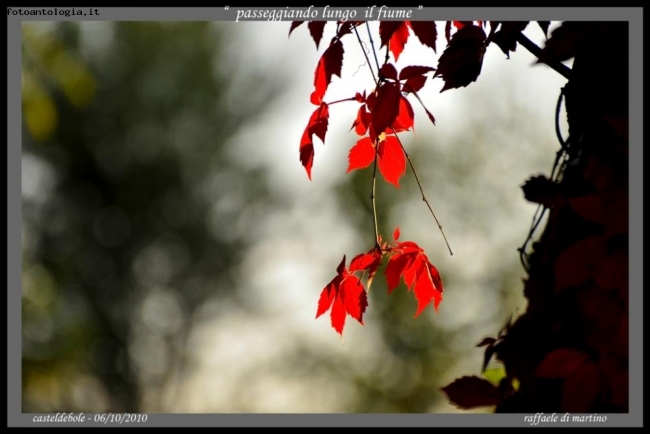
{"points": [[173, 249]]}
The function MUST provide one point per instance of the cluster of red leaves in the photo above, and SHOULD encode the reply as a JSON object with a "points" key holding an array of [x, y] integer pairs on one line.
{"points": [[385, 111], [345, 294]]}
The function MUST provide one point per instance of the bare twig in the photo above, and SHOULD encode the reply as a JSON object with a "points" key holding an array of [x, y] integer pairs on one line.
{"points": [[424, 197]]}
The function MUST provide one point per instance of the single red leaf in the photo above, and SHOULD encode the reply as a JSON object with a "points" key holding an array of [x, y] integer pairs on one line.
{"points": [[361, 155], [343, 295], [396, 233], [362, 121], [316, 30], [294, 24], [386, 107], [360, 98], [413, 71], [460, 24], [561, 362], [388, 71], [386, 30], [581, 388], [398, 40], [426, 32], [367, 262], [461, 62], [307, 157], [391, 162], [414, 84], [317, 125], [329, 64], [405, 117], [470, 392]]}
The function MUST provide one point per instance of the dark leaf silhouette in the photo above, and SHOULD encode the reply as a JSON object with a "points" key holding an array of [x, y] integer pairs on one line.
{"points": [[581, 388], [426, 32], [544, 26], [506, 37], [471, 392], [316, 30], [540, 189], [386, 108], [461, 62], [561, 362], [575, 264], [294, 24]]}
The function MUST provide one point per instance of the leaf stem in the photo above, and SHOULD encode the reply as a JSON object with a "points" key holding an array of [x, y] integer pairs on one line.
{"points": [[424, 197]]}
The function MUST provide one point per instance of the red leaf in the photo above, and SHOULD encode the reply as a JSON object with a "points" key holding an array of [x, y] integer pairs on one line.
{"points": [[396, 233], [580, 389], [316, 30], [386, 30], [413, 71], [367, 262], [329, 64], [294, 24], [362, 122], [405, 116], [388, 71], [317, 125], [425, 32], [409, 262], [461, 62], [386, 107], [361, 155], [344, 295], [398, 40], [414, 84], [392, 163], [469, 392], [560, 363]]}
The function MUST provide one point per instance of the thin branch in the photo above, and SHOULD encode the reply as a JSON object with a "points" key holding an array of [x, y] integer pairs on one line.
{"points": [[424, 197], [372, 196], [372, 45], [529, 45], [374, 78]]}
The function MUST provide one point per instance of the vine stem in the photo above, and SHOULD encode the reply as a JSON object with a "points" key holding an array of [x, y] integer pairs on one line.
{"points": [[529, 45], [424, 196]]}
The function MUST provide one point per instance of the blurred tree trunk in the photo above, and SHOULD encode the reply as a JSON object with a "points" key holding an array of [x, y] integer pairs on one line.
{"points": [[569, 351]]}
